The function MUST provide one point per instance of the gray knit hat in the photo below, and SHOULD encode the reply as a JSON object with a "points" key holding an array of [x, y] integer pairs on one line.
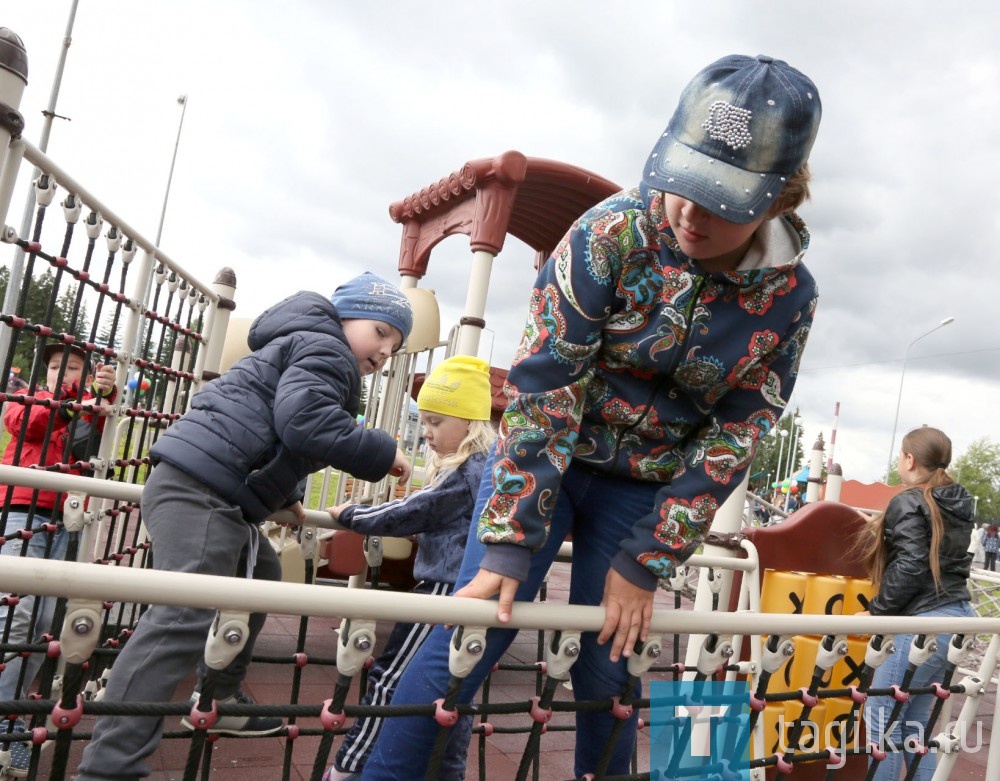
{"points": [[369, 297]]}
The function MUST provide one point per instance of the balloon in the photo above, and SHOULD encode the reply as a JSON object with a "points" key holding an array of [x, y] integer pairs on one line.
{"points": [[132, 383], [794, 489], [145, 384]]}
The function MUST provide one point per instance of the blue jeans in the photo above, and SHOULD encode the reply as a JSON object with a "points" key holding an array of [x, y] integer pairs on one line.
{"points": [[599, 510], [21, 629], [911, 723]]}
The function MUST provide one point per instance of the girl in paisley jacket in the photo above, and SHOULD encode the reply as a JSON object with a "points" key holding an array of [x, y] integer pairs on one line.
{"points": [[662, 343], [919, 561]]}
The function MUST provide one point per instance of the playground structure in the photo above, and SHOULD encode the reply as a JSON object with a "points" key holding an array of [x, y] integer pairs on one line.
{"points": [[166, 331]]}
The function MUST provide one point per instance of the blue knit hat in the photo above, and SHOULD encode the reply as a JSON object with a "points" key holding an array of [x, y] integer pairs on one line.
{"points": [[369, 297]]}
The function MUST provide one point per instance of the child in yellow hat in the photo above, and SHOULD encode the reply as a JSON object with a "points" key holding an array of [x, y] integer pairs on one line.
{"points": [[454, 404]]}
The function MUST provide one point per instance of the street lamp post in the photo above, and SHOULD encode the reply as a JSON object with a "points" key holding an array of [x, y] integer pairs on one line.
{"points": [[792, 451], [182, 100], [783, 433], [899, 397]]}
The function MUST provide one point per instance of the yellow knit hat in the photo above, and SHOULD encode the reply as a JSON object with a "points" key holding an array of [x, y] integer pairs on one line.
{"points": [[458, 386]]}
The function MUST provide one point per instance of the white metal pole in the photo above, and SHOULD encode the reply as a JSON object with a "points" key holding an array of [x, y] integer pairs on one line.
{"points": [[170, 177], [728, 519], [833, 436], [182, 100], [475, 303], [815, 472], [17, 265], [782, 435], [899, 396]]}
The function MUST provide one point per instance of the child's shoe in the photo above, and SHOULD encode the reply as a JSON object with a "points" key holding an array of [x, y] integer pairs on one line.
{"points": [[20, 752], [332, 774], [253, 726]]}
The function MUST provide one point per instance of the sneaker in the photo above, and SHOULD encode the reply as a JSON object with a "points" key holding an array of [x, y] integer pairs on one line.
{"points": [[251, 726], [20, 752], [332, 774]]}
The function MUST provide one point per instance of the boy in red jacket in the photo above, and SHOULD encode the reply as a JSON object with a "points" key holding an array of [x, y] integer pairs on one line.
{"points": [[39, 437]]}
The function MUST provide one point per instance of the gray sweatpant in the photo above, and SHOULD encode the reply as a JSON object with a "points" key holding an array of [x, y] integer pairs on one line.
{"points": [[192, 530]]}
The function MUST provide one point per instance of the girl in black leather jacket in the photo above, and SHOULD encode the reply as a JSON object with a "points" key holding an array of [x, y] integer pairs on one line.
{"points": [[919, 560]]}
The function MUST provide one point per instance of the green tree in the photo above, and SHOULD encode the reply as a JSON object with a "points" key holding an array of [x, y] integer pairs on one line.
{"points": [[765, 463], [978, 469], [42, 307]]}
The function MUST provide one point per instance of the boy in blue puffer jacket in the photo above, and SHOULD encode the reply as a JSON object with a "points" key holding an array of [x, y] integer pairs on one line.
{"points": [[251, 437]]}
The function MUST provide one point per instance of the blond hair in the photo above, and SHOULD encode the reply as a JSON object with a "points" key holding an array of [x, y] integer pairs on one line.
{"points": [[479, 439], [793, 194]]}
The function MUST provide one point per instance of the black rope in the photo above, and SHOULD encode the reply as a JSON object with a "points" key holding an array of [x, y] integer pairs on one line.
{"points": [[206, 693], [340, 692], [444, 731], [799, 724], [531, 748], [609, 746], [949, 673], [897, 708], [73, 678]]}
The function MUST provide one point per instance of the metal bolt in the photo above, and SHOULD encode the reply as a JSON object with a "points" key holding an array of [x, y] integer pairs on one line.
{"points": [[653, 652], [727, 651], [842, 649], [474, 647], [233, 636], [362, 642], [82, 625], [572, 650], [73, 502], [788, 649]]}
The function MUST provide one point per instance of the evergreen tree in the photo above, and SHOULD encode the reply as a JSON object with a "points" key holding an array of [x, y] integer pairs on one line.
{"points": [[42, 306]]}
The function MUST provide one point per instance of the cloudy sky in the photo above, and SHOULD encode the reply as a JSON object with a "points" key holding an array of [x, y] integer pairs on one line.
{"points": [[305, 119]]}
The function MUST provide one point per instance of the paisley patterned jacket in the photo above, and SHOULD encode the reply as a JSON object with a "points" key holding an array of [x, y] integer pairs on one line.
{"points": [[637, 362]]}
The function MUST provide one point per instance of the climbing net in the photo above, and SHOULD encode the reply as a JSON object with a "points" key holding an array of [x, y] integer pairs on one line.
{"points": [[122, 302]]}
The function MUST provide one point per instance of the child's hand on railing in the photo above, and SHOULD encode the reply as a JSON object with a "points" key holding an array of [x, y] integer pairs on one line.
{"points": [[337, 510], [628, 610], [485, 584]]}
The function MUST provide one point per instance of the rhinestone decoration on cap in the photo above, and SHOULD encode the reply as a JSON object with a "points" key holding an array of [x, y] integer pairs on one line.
{"points": [[729, 124]]}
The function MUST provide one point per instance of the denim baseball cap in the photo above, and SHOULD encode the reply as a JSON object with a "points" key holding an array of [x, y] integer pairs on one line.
{"points": [[742, 127]]}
